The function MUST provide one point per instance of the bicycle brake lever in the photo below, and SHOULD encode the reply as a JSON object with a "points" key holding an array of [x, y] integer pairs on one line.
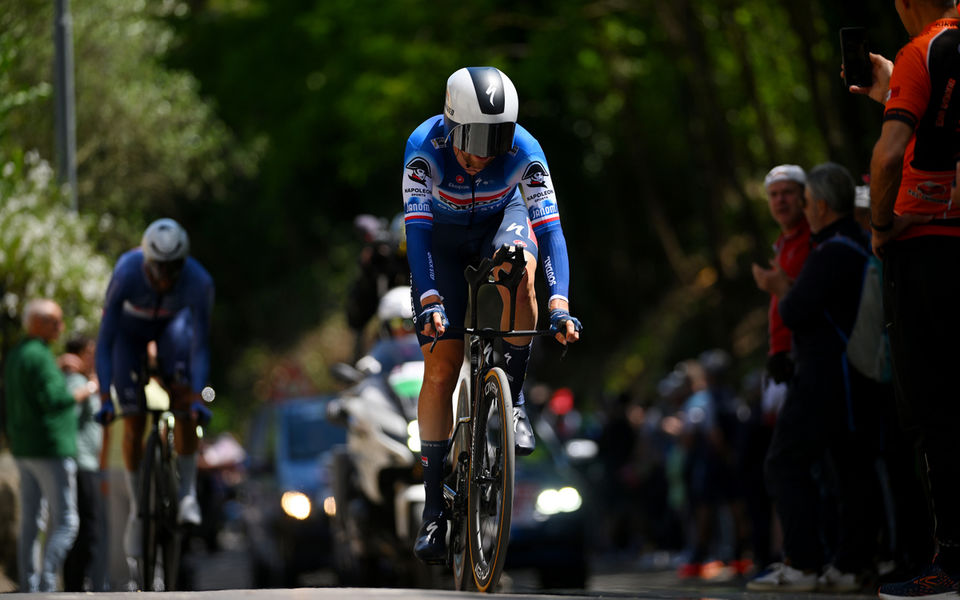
{"points": [[436, 338]]}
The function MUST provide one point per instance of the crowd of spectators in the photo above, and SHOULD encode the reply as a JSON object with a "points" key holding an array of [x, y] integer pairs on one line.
{"points": [[801, 475], [56, 446]]}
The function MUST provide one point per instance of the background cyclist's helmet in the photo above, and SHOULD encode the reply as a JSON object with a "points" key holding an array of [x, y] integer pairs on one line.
{"points": [[480, 112], [395, 312], [165, 247]]}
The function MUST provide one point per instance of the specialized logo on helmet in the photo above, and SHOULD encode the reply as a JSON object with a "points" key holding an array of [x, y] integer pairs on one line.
{"points": [[492, 91], [418, 170], [165, 241], [489, 87], [535, 175]]}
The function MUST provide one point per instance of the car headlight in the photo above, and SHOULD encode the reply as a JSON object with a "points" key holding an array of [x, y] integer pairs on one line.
{"points": [[552, 501], [413, 435], [296, 504]]}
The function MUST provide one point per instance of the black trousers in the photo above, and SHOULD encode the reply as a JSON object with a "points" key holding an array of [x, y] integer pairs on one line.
{"points": [[813, 447], [90, 542], [922, 307]]}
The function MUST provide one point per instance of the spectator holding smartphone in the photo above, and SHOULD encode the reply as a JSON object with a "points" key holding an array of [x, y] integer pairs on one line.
{"points": [[916, 233]]}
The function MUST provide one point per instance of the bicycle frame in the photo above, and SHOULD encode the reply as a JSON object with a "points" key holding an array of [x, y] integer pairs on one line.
{"points": [[158, 502], [466, 429]]}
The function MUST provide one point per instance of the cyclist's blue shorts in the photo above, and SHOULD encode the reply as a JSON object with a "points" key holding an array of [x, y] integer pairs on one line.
{"points": [[174, 339], [454, 247]]}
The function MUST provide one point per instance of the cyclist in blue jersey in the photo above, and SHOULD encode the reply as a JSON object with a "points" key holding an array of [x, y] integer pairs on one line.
{"points": [[157, 294], [474, 180]]}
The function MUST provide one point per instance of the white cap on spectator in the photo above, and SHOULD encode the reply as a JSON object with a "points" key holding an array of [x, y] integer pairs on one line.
{"points": [[785, 173]]}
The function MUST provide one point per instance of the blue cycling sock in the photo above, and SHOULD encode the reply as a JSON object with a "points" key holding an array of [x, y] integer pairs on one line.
{"points": [[515, 360], [432, 457]]}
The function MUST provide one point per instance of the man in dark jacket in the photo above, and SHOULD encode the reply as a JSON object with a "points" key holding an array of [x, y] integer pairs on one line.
{"points": [[823, 414], [42, 429]]}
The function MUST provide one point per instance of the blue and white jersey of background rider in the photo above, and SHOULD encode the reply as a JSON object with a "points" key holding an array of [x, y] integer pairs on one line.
{"points": [[437, 191]]}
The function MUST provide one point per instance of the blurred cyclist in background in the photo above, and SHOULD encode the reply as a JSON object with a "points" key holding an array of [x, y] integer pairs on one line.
{"points": [[475, 180], [157, 294]]}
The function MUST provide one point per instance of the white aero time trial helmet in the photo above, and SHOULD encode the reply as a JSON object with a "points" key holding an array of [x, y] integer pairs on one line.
{"points": [[165, 247], [480, 112], [165, 241]]}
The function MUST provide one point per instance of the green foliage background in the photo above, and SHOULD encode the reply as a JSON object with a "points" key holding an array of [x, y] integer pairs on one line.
{"points": [[265, 127]]}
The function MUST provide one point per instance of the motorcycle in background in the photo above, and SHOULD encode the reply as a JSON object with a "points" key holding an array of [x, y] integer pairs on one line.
{"points": [[377, 478]]}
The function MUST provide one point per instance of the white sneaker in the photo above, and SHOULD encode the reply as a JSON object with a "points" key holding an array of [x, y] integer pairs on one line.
{"points": [[131, 537], [835, 580], [189, 511], [779, 577]]}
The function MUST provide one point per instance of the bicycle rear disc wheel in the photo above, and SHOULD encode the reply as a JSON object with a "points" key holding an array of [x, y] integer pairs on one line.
{"points": [[149, 506], [459, 547], [490, 498]]}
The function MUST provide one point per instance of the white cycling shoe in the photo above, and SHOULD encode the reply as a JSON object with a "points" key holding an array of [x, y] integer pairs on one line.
{"points": [[189, 512]]}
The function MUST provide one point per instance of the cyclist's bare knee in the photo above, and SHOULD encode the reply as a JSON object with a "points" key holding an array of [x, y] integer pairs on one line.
{"points": [[133, 428], [185, 427], [441, 368]]}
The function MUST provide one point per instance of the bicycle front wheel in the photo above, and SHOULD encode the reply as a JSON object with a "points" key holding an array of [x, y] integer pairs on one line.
{"points": [[169, 532], [148, 501], [490, 497], [460, 555]]}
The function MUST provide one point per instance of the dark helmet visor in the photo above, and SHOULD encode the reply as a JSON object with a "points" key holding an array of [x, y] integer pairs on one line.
{"points": [[482, 139]]}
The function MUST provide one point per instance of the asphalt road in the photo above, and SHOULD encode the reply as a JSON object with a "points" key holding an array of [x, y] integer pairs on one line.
{"points": [[219, 575], [607, 585]]}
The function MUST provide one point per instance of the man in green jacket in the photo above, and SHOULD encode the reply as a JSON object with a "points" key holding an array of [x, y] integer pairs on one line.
{"points": [[42, 429]]}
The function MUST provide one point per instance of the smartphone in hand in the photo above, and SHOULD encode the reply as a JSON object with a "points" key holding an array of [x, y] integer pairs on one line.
{"points": [[857, 68]]}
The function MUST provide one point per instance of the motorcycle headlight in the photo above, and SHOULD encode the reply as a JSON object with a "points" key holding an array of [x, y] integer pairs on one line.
{"points": [[296, 505], [413, 436], [330, 506], [553, 501]]}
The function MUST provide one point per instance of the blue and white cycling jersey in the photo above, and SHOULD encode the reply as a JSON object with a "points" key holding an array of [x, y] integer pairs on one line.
{"points": [[437, 191], [135, 310]]}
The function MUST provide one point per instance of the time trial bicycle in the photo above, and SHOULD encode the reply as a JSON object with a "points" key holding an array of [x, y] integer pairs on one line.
{"points": [[479, 490], [158, 504]]}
